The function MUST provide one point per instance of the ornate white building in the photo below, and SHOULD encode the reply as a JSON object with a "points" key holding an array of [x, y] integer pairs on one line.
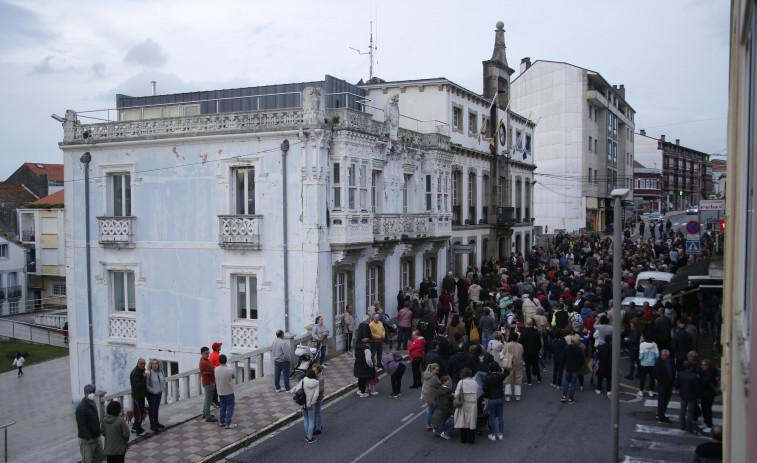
{"points": [[223, 216]]}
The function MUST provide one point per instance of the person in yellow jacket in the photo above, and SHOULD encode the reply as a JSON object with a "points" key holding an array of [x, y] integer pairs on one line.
{"points": [[378, 334]]}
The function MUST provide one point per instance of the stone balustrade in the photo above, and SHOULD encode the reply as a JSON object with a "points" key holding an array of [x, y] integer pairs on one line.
{"points": [[204, 124], [239, 231], [116, 231], [395, 226], [188, 384], [123, 327]]}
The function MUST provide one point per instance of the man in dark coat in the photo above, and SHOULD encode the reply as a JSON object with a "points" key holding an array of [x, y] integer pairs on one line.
{"points": [[457, 362], [138, 381], [363, 331], [531, 341], [662, 326], [682, 344], [664, 373], [462, 294], [433, 356], [88, 427]]}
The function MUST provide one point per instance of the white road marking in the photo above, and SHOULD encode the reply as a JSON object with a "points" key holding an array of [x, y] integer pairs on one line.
{"points": [[407, 417], [677, 405], [374, 446], [666, 431], [661, 446], [628, 459]]}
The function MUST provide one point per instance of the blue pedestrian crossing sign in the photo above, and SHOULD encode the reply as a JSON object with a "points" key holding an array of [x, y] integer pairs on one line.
{"points": [[693, 247]]}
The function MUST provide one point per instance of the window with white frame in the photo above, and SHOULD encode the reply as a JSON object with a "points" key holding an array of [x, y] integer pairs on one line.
{"points": [[429, 268], [455, 177], [471, 182], [428, 192], [363, 187], [12, 279], [374, 192], [404, 194], [340, 292], [120, 200], [351, 186], [3, 251], [244, 191], [472, 123], [123, 293], [439, 193], [405, 274], [337, 188], [445, 193], [457, 118], [49, 256], [58, 288], [372, 285], [13, 307], [246, 291]]}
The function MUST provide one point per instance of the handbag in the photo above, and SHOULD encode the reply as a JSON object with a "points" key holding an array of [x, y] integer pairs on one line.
{"points": [[474, 335], [505, 361], [459, 400], [299, 396]]}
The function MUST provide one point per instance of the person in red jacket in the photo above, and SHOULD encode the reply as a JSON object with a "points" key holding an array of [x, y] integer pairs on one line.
{"points": [[207, 374], [445, 306], [216, 346], [417, 351]]}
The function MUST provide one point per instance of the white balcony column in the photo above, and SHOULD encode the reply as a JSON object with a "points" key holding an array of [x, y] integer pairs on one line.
{"points": [[479, 195], [513, 197], [464, 202]]}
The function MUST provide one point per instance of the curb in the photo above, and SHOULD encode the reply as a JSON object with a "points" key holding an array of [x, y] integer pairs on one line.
{"points": [[246, 441]]}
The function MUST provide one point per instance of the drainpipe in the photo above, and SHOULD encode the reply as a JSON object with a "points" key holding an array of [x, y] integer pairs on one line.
{"points": [[86, 157], [284, 149]]}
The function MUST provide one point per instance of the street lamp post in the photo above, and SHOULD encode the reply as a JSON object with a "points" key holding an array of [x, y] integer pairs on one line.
{"points": [[617, 250], [85, 159]]}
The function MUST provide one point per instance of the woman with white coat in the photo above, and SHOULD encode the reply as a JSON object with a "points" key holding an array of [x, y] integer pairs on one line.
{"points": [[465, 415], [310, 384]]}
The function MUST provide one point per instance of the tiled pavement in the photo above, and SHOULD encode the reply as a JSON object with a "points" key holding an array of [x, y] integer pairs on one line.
{"points": [[259, 408]]}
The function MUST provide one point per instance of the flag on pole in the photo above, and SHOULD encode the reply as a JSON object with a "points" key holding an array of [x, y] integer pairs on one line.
{"points": [[528, 147], [500, 132]]}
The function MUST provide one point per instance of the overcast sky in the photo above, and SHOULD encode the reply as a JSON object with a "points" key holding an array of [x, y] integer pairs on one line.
{"points": [[672, 55]]}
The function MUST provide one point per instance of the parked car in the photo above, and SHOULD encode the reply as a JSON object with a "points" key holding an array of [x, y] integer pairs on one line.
{"points": [[659, 279], [693, 210], [656, 216]]}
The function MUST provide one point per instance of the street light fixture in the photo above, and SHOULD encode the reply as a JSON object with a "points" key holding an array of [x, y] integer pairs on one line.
{"points": [[58, 118], [617, 249]]}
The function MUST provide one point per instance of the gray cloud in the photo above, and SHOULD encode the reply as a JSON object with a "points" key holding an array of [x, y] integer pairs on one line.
{"points": [[147, 53], [98, 70], [18, 26]]}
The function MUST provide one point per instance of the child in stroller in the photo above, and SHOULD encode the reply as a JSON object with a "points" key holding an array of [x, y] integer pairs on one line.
{"points": [[305, 359]]}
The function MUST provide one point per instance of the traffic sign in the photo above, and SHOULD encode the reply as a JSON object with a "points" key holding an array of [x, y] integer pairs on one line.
{"points": [[693, 227], [693, 247], [693, 237], [712, 205]]}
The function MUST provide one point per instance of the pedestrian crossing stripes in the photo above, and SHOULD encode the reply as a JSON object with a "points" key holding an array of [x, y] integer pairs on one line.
{"points": [[677, 405], [664, 443], [666, 431]]}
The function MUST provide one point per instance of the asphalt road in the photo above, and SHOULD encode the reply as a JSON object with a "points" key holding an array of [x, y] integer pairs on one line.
{"points": [[538, 428]]}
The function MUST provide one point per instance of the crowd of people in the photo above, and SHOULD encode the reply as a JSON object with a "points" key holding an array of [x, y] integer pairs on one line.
{"points": [[492, 324]]}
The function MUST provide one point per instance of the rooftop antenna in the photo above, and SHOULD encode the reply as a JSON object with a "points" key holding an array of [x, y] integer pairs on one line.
{"points": [[371, 50]]}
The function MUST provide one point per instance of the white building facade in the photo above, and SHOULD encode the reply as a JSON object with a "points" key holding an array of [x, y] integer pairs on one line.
{"points": [[584, 141], [212, 222], [13, 260]]}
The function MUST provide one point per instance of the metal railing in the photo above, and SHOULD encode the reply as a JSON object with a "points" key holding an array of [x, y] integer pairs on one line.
{"points": [[4, 427], [25, 332], [180, 385]]}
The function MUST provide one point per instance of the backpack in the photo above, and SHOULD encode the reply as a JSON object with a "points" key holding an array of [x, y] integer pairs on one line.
{"points": [[397, 356], [575, 320], [299, 396]]}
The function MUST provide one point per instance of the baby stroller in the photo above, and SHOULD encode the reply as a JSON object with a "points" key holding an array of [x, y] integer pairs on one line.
{"points": [[305, 356], [390, 330], [482, 417]]}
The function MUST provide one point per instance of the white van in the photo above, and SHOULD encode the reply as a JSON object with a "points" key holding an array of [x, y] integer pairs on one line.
{"points": [[659, 279]]}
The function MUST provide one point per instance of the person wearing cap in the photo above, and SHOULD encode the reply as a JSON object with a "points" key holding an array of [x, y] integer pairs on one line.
{"points": [[207, 375], [88, 427], [216, 346]]}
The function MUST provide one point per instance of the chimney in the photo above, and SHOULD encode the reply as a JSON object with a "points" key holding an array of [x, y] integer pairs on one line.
{"points": [[622, 91], [678, 141], [643, 132], [153, 86], [525, 63], [662, 137]]}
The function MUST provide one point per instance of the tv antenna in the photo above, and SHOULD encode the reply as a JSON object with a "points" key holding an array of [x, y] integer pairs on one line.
{"points": [[371, 51]]}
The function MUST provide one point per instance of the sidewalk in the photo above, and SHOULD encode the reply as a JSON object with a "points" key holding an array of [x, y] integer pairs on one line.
{"points": [[259, 409]]}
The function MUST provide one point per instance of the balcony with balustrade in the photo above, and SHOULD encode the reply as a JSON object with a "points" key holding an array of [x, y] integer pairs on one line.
{"points": [[14, 293], [239, 232], [116, 232], [123, 327], [351, 228], [411, 226]]}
